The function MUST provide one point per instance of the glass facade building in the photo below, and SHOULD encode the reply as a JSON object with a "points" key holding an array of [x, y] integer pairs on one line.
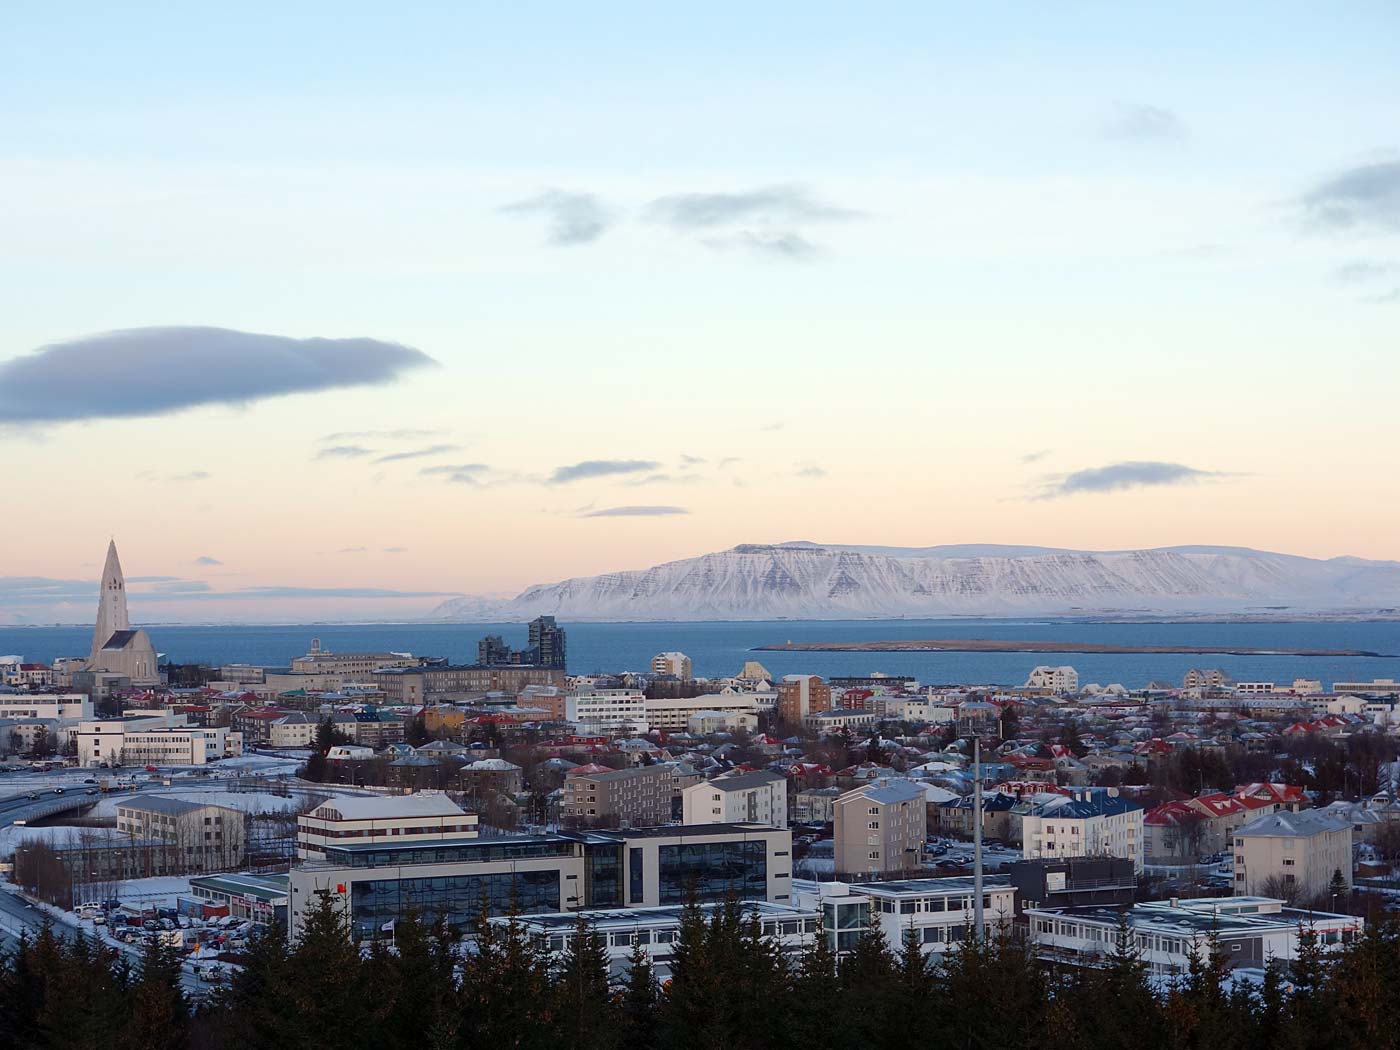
{"points": [[713, 870], [376, 903]]}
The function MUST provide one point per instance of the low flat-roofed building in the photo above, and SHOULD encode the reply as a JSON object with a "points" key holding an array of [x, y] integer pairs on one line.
{"points": [[261, 899], [938, 912], [198, 836], [1252, 931], [656, 930]]}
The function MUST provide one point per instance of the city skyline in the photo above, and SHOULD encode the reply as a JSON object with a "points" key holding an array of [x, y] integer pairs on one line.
{"points": [[473, 306]]}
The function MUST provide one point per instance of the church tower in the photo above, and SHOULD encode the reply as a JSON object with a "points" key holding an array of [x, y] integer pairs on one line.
{"points": [[111, 603]]}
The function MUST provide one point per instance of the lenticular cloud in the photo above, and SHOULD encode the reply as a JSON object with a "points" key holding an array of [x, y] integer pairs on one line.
{"points": [[156, 371]]}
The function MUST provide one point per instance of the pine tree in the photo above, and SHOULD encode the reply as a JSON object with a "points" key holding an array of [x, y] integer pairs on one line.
{"points": [[328, 1004], [816, 993], [638, 1002], [587, 1016], [254, 1010], [159, 1017], [505, 997]]}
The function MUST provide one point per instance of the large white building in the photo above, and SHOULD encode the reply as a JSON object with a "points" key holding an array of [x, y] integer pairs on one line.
{"points": [[677, 664], [751, 798], [1090, 823], [600, 710], [64, 708], [117, 649], [391, 820], [160, 740], [673, 715]]}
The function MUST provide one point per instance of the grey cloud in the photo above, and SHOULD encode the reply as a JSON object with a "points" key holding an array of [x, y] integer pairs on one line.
{"points": [[597, 468], [1127, 475], [810, 470], [155, 371], [459, 473], [329, 592], [574, 218], [635, 512], [782, 244], [769, 205], [205, 559], [344, 452], [1364, 198], [665, 479], [780, 425], [31, 590], [1381, 298], [418, 453], [395, 550], [1035, 457], [729, 461], [352, 550], [1137, 122], [194, 475], [691, 460]]}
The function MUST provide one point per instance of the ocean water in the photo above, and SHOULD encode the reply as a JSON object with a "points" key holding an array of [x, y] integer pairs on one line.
{"points": [[720, 648]]}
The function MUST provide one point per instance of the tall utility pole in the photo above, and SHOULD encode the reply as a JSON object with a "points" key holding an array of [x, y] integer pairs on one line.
{"points": [[977, 837]]}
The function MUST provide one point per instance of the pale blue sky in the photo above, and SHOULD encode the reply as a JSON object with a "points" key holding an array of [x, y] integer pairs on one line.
{"points": [[953, 237]]}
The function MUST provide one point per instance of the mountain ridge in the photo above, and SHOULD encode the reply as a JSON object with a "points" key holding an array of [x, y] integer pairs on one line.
{"points": [[806, 580]]}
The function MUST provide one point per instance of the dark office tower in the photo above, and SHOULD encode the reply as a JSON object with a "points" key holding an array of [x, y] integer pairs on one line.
{"points": [[492, 651], [547, 643]]}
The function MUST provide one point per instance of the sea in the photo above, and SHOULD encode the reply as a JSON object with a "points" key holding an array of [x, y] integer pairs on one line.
{"points": [[721, 648]]}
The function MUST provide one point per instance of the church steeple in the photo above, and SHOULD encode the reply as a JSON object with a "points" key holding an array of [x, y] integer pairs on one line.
{"points": [[111, 602]]}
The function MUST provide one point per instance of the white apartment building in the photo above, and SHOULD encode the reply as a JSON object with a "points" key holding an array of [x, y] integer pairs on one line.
{"points": [[1091, 823], [677, 664], [604, 709], [703, 723], [1381, 686], [673, 715], [1254, 688], [161, 740], [938, 912], [748, 798], [65, 708], [392, 820], [296, 729], [1056, 679]]}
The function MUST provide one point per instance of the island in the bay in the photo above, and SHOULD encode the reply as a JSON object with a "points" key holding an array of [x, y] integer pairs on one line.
{"points": [[1002, 645]]}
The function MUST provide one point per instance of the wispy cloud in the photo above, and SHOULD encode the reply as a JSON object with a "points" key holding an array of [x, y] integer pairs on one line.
{"points": [[380, 435], [418, 453], [729, 461], [1364, 199], [809, 470], [457, 473], [574, 218], [664, 479], [183, 587], [1035, 457], [780, 424], [395, 550], [352, 550], [635, 512], [691, 460], [782, 244], [770, 204], [1130, 474], [1138, 122], [1363, 271], [598, 468], [345, 452], [205, 559], [193, 475], [110, 375]]}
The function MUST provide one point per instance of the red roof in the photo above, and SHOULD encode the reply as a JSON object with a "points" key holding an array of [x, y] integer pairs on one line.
{"points": [[1170, 814]]}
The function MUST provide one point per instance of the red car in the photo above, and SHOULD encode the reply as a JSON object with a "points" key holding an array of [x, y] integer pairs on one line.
{"points": [[151, 769]]}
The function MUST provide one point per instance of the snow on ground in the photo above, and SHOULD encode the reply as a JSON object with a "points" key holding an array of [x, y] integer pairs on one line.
{"points": [[295, 801]]}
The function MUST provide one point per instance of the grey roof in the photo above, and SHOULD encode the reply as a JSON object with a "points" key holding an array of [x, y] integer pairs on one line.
{"points": [[745, 781], [1293, 825], [170, 806], [119, 640]]}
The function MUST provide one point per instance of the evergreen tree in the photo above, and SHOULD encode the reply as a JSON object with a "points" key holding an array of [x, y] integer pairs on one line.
{"points": [[816, 1012], [587, 1016], [505, 997], [159, 1015], [328, 1007], [638, 1002]]}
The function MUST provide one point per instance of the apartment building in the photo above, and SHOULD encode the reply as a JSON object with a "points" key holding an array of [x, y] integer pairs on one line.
{"points": [[607, 710], [378, 883], [676, 664], [64, 708], [1054, 679], [879, 827], [673, 715], [800, 695], [1292, 855], [1089, 823], [751, 798], [382, 819], [938, 912], [197, 836], [639, 796], [160, 740]]}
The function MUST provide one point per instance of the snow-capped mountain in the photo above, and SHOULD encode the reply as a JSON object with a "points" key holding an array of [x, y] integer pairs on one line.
{"points": [[806, 580]]}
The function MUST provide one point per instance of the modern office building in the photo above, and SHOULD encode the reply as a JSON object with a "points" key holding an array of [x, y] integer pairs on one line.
{"points": [[379, 882], [346, 819]]}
